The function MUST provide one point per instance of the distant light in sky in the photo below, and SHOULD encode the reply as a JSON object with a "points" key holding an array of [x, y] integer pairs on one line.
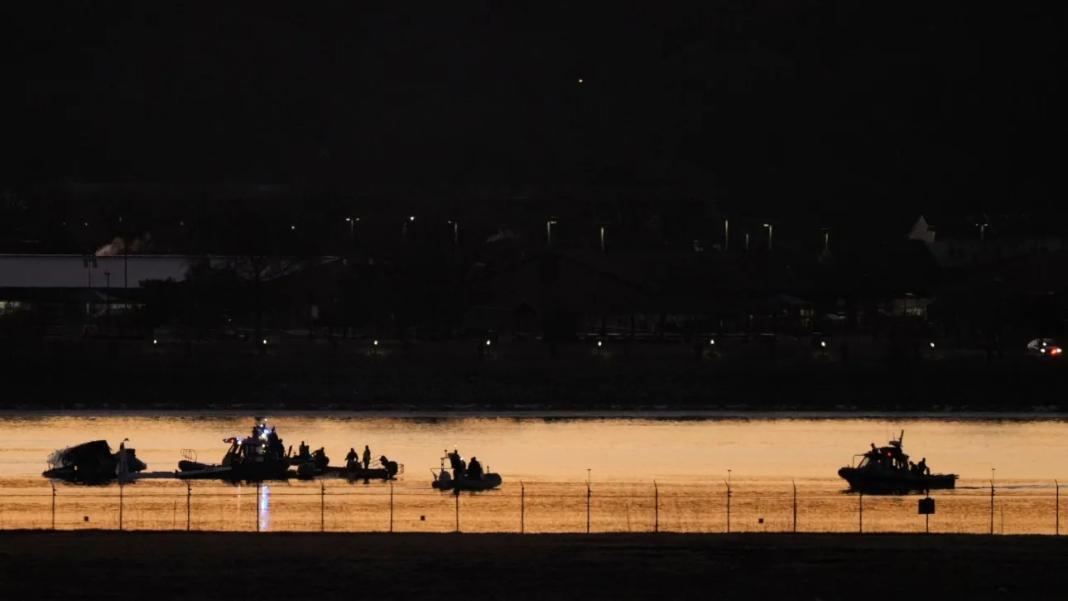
{"points": [[580, 80]]}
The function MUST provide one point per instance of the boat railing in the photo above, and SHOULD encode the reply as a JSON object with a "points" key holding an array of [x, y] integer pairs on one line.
{"points": [[189, 455]]}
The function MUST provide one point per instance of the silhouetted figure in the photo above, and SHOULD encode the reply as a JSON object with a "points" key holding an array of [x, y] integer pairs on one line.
{"points": [[390, 466], [350, 459], [320, 459], [474, 469], [366, 456], [922, 468]]}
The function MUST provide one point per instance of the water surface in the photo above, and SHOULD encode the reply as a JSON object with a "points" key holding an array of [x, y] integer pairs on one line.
{"points": [[645, 472]]}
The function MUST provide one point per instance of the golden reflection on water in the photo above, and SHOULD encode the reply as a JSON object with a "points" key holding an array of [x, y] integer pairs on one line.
{"points": [[563, 449], [544, 463]]}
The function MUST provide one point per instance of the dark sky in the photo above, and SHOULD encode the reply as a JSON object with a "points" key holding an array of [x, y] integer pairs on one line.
{"points": [[792, 103]]}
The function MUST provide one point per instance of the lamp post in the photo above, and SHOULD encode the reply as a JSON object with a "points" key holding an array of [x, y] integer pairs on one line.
{"points": [[549, 231], [455, 233], [352, 221], [404, 226]]}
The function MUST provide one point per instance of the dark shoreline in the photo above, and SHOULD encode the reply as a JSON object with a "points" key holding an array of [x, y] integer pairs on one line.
{"points": [[170, 565], [633, 387], [521, 376]]}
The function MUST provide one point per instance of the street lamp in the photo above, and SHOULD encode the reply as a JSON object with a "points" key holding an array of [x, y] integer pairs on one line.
{"points": [[455, 232], [352, 221]]}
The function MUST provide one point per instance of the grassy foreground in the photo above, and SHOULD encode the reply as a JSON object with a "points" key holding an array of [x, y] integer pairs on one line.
{"points": [[154, 565]]}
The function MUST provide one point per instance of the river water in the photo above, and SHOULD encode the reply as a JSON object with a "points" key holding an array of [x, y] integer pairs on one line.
{"points": [[646, 472]]}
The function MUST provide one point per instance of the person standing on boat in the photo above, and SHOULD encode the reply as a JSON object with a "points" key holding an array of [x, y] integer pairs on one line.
{"points": [[366, 456], [474, 469], [350, 459], [922, 468]]}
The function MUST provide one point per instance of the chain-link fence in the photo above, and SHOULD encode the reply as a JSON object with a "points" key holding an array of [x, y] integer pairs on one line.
{"points": [[529, 507]]}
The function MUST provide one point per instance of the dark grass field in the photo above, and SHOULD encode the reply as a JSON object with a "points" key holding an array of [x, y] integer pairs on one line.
{"points": [[154, 566]]}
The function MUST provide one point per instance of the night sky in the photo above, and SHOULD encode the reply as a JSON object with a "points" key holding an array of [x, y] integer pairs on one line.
{"points": [[792, 105]]}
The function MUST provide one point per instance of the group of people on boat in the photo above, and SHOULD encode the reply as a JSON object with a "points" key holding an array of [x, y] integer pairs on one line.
{"points": [[462, 470], [304, 454], [893, 458], [265, 441], [354, 461]]}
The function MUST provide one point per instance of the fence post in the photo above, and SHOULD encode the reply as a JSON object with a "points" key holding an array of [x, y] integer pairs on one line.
{"points": [[795, 505], [656, 507], [728, 485], [1057, 527], [991, 506], [120, 504], [860, 501], [391, 507], [588, 494], [53, 505], [522, 507], [188, 506], [322, 507], [457, 495]]}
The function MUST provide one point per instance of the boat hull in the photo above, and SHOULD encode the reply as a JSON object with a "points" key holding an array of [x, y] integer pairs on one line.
{"points": [[879, 482], [254, 472], [487, 482]]}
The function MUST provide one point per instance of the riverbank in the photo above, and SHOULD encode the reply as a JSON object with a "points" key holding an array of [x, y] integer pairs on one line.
{"points": [[154, 565], [521, 377]]}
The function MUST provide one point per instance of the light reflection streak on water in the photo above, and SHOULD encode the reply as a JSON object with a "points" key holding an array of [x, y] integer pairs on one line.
{"points": [[265, 507]]}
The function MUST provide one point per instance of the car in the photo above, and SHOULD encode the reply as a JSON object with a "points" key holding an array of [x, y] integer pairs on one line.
{"points": [[1044, 348]]}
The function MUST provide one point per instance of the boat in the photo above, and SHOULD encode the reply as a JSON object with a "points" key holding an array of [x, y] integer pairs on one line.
{"points": [[255, 458], [94, 463], [389, 470], [460, 476], [887, 470]]}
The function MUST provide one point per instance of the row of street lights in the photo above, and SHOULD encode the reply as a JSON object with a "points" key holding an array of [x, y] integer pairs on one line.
{"points": [[354, 223]]}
